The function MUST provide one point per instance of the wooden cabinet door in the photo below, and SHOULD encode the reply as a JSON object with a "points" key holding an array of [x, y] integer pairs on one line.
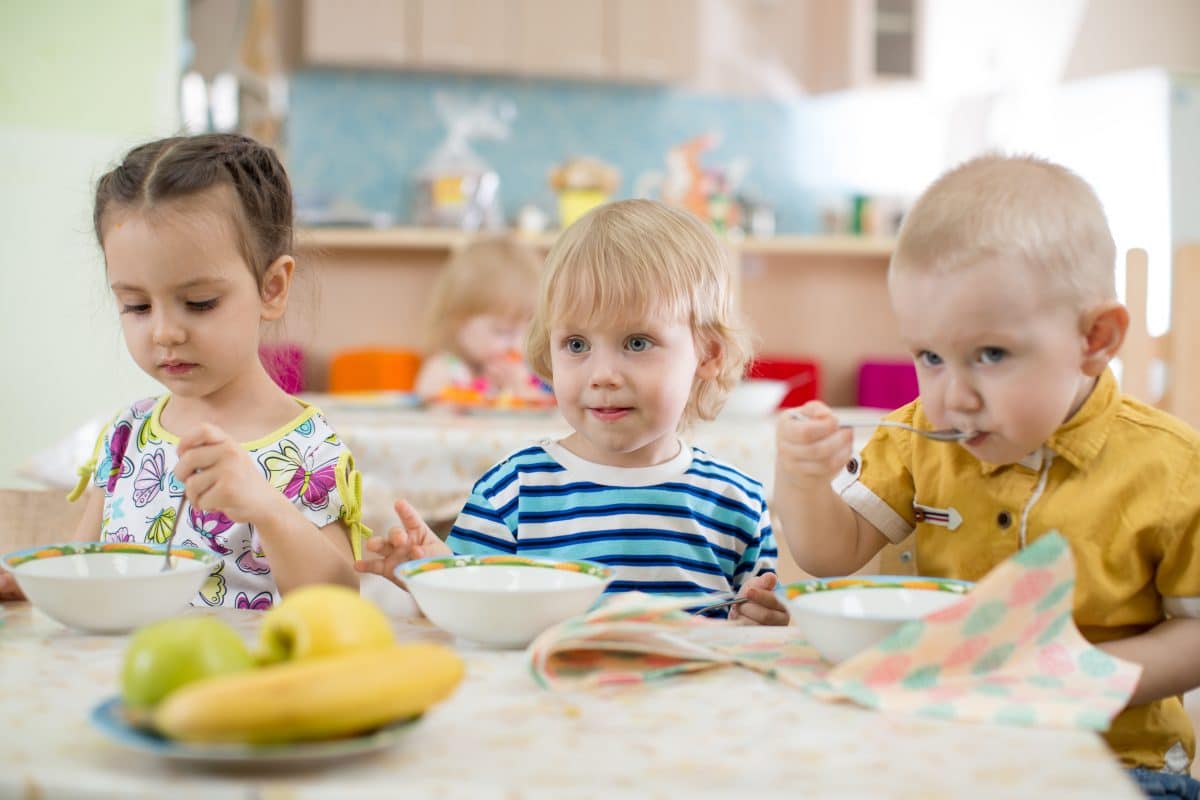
{"points": [[563, 39], [756, 47], [859, 43], [468, 34], [656, 40], [359, 33]]}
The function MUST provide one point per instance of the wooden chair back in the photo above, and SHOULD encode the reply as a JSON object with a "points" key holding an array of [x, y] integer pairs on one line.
{"points": [[30, 517], [1177, 352]]}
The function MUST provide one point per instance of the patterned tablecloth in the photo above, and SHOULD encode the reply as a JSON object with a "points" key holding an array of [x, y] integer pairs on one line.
{"points": [[728, 732], [432, 458]]}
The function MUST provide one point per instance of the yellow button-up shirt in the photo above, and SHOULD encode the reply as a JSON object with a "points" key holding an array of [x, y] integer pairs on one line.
{"points": [[1120, 481]]}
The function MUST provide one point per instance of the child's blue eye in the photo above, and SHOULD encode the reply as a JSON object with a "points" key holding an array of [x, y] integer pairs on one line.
{"points": [[928, 359], [992, 355], [576, 345], [202, 305], [638, 344]]}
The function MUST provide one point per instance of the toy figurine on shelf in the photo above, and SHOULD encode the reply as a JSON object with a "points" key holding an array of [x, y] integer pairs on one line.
{"points": [[708, 192]]}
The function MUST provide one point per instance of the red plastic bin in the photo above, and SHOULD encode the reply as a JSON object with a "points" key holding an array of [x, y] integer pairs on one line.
{"points": [[804, 374]]}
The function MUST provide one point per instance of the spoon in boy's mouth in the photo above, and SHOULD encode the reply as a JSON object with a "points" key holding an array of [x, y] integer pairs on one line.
{"points": [[943, 435]]}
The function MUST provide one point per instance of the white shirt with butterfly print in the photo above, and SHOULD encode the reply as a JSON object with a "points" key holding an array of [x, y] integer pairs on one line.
{"points": [[135, 467]]}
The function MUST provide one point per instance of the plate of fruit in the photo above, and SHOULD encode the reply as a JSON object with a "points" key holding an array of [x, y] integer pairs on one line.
{"points": [[327, 681]]}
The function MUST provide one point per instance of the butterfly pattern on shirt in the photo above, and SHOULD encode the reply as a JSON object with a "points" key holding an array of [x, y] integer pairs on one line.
{"points": [[136, 472]]}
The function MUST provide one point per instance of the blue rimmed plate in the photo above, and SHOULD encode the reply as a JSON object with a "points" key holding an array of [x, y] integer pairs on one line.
{"points": [[109, 718]]}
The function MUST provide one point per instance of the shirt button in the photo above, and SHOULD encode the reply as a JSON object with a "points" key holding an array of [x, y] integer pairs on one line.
{"points": [[852, 466], [1004, 519]]}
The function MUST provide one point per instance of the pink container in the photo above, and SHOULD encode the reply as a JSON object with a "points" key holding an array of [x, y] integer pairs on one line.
{"points": [[886, 384], [285, 364]]}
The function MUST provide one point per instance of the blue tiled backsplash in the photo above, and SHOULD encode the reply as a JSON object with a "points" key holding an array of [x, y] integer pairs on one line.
{"points": [[362, 136]]}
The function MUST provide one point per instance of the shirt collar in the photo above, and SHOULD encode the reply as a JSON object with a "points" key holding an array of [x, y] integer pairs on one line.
{"points": [[1082, 437]]}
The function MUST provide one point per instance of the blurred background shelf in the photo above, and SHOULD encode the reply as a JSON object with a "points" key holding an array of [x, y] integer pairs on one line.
{"points": [[445, 239]]}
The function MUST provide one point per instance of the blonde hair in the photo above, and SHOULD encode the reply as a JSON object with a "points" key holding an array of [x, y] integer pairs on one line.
{"points": [[495, 275], [1016, 207], [637, 258]]}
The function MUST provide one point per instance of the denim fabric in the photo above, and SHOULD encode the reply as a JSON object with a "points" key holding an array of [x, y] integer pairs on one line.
{"points": [[1166, 785]]}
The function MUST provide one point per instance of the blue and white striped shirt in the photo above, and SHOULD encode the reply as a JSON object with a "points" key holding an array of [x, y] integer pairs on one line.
{"points": [[692, 525]]}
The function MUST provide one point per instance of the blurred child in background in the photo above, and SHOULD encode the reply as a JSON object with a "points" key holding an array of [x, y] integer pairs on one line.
{"points": [[478, 317]]}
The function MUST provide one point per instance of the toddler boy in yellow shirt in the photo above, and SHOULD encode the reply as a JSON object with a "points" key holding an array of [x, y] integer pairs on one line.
{"points": [[1002, 284]]}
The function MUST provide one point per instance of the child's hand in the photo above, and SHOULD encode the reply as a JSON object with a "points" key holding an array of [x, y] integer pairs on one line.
{"points": [[763, 606], [810, 449], [9, 591], [413, 539], [220, 475], [510, 374]]}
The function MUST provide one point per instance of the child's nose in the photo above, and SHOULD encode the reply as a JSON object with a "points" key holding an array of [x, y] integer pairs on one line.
{"points": [[167, 331], [961, 395], [604, 371]]}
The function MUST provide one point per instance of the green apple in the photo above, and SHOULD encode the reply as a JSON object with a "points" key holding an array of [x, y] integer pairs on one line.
{"points": [[166, 655], [321, 620]]}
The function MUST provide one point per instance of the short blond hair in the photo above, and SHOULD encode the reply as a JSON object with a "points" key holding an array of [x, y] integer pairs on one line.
{"points": [[495, 275], [637, 258], [1019, 207]]}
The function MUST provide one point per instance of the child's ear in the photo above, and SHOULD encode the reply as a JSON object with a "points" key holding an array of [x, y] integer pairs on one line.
{"points": [[711, 356], [276, 282], [1103, 328]]}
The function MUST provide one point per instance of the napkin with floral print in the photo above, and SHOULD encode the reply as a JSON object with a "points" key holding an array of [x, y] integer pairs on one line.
{"points": [[1008, 652]]}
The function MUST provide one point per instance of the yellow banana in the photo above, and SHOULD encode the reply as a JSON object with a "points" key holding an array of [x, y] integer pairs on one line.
{"points": [[316, 699]]}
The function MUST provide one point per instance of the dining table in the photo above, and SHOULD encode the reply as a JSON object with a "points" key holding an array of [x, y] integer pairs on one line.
{"points": [[724, 732]]}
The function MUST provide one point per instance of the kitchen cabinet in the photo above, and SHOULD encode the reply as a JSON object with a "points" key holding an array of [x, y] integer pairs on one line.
{"points": [[794, 291], [557, 39], [474, 35], [788, 47], [628, 40], [856, 43], [359, 33], [655, 40]]}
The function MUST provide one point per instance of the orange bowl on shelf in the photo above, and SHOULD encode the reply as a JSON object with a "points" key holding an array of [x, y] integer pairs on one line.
{"points": [[373, 370]]}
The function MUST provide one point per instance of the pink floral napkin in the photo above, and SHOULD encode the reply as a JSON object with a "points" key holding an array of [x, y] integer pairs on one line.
{"points": [[1009, 652]]}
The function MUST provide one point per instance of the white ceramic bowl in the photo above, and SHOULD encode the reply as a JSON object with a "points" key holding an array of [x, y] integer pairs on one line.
{"points": [[755, 397], [502, 601], [108, 587], [843, 616]]}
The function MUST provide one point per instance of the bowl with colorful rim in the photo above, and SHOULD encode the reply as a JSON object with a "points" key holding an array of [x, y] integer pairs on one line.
{"points": [[108, 587], [843, 616], [502, 601]]}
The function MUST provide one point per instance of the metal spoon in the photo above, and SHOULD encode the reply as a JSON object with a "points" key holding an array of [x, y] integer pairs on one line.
{"points": [[722, 604], [944, 435], [171, 536]]}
